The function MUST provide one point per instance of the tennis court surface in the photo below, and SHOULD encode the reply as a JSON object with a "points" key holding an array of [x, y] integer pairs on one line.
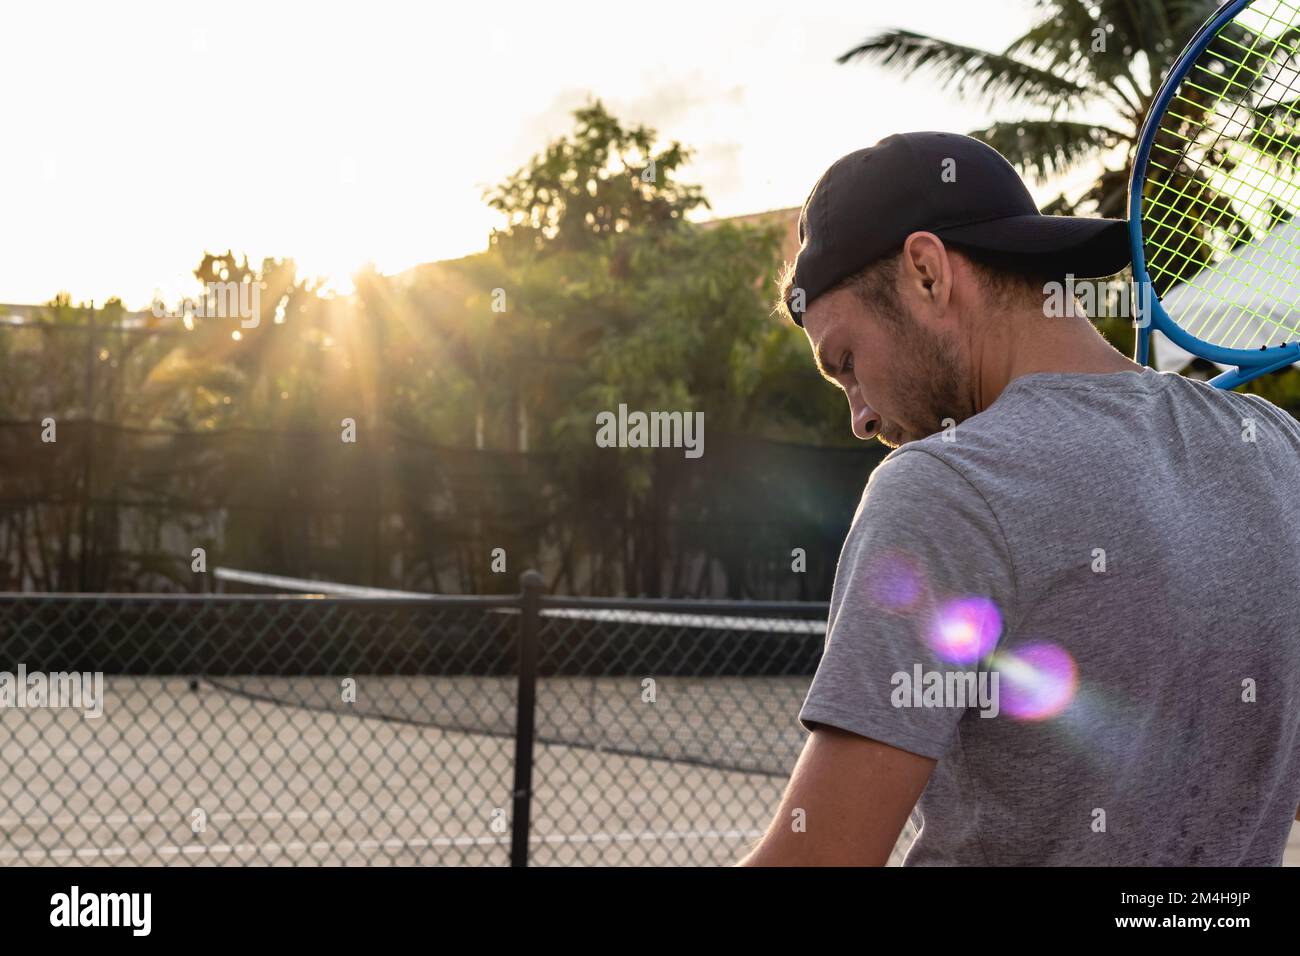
{"points": [[290, 731], [287, 785]]}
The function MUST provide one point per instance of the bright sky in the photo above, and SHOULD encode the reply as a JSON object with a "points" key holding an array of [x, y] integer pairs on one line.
{"points": [[136, 135]]}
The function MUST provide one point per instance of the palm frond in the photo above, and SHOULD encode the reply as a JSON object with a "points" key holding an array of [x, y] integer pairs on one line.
{"points": [[1045, 148], [993, 76], [1060, 38]]}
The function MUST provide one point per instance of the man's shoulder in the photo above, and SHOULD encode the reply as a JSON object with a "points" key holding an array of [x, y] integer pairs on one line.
{"points": [[1015, 445], [917, 482], [922, 461], [1261, 405], [960, 453]]}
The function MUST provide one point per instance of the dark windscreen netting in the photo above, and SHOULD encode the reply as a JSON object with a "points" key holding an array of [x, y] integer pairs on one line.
{"points": [[107, 508]]}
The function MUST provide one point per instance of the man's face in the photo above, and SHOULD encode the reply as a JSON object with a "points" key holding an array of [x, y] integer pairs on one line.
{"points": [[901, 379]]}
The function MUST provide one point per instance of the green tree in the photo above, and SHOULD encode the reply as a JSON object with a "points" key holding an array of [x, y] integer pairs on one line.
{"points": [[619, 299], [593, 184]]}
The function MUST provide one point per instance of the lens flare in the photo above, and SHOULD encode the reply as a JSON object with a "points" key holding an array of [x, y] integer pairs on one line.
{"points": [[1036, 681], [966, 630], [895, 581]]}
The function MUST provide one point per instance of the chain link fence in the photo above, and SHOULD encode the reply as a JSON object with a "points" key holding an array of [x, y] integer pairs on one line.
{"points": [[299, 730]]}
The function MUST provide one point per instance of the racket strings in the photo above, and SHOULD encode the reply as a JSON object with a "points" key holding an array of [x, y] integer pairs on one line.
{"points": [[1172, 171], [1223, 182], [1218, 211], [1193, 188], [1227, 83], [1195, 196]]}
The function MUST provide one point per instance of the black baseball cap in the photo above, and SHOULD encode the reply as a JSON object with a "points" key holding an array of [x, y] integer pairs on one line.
{"points": [[867, 203]]}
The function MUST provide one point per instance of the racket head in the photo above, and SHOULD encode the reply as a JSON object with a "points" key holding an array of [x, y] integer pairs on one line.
{"points": [[1214, 187]]}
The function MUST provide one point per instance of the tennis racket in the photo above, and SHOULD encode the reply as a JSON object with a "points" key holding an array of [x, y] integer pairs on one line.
{"points": [[1215, 192]]}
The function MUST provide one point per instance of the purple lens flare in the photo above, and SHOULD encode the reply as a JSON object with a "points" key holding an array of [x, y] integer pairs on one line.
{"points": [[966, 630], [895, 581], [1037, 681]]}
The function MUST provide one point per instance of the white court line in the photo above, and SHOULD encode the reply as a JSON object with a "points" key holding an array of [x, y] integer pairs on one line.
{"points": [[633, 837], [159, 819], [563, 838]]}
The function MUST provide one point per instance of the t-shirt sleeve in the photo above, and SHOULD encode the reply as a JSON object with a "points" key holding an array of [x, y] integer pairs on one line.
{"points": [[924, 585]]}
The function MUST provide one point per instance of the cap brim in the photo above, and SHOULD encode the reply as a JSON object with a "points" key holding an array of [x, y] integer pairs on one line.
{"points": [[1088, 248]]}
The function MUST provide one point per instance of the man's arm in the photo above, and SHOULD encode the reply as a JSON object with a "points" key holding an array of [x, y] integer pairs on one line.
{"points": [[923, 536], [855, 794]]}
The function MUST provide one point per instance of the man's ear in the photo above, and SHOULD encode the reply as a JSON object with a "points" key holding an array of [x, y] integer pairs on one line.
{"points": [[927, 270]]}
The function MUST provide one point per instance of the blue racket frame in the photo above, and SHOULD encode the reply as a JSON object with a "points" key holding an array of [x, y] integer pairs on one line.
{"points": [[1250, 363]]}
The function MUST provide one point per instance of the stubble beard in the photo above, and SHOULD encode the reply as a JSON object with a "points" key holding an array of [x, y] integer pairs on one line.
{"points": [[929, 388]]}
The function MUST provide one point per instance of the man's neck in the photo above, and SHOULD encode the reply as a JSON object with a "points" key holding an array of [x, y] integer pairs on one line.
{"points": [[1027, 342]]}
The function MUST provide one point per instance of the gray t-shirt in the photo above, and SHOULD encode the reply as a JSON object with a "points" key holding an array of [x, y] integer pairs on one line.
{"points": [[1123, 552]]}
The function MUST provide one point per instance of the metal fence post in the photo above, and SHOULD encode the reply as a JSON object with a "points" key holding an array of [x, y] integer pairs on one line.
{"points": [[530, 584]]}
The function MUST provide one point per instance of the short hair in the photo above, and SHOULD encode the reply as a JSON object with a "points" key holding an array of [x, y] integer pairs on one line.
{"points": [[1010, 275], [784, 283], [1005, 276], [875, 285]]}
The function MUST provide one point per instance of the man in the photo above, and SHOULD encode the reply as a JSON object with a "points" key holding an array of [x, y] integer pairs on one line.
{"points": [[1066, 617]]}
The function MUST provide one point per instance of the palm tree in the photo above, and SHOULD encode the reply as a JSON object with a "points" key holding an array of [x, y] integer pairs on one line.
{"points": [[1086, 74], [1099, 60]]}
